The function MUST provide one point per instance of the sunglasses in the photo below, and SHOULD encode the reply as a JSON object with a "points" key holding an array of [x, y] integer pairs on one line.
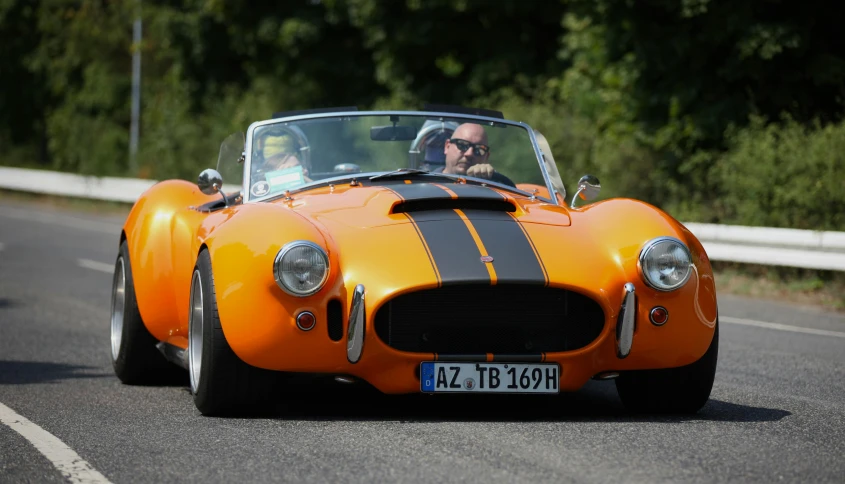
{"points": [[463, 145]]}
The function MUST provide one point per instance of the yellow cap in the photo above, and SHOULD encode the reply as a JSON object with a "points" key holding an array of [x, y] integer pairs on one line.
{"points": [[276, 145]]}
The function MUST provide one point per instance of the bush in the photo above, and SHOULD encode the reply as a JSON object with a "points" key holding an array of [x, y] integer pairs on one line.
{"points": [[782, 175], [579, 146]]}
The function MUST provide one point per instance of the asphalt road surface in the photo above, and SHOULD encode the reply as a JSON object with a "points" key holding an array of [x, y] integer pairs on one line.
{"points": [[777, 411]]}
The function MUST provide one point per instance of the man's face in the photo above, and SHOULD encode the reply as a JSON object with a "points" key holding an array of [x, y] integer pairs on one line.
{"points": [[457, 161]]}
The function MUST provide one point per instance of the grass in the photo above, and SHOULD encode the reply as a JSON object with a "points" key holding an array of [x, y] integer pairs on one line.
{"points": [[824, 289], [88, 205]]}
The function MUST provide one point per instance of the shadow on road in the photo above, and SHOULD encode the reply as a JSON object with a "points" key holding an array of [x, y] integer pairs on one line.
{"points": [[597, 401], [719, 411], [25, 372], [8, 303]]}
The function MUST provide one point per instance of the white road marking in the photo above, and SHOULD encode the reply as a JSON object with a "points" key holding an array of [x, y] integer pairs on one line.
{"points": [[68, 462], [63, 220], [97, 266], [781, 327]]}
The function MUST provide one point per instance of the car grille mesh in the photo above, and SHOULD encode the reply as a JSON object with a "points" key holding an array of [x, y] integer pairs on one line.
{"points": [[504, 319]]}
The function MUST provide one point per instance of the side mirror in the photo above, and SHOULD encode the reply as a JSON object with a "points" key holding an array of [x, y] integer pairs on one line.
{"points": [[210, 181], [588, 189]]}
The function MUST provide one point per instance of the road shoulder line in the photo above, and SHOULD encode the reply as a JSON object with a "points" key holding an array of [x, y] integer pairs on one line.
{"points": [[97, 266], [63, 220], [68, 462], [781, 327]]}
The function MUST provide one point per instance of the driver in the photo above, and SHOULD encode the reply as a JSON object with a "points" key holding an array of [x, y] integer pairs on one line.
{"points": [[467, 153]]}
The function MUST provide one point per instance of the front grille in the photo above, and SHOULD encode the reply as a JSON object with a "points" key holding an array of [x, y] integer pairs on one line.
{"points": [[504, 319]]}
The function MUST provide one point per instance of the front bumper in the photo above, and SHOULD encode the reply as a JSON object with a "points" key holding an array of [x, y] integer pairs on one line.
{"points": [[628, 341]]}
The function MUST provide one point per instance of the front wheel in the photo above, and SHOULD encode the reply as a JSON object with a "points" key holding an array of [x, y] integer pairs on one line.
{"points": [[221, 383], [133, 352], [673, 390]]}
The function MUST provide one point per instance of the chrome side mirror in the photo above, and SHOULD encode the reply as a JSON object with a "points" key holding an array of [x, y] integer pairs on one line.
{"points": [[588, 189], [210, 181]]}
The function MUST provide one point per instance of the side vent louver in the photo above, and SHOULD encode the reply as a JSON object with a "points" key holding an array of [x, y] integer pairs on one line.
{"points": [[335, 316]]}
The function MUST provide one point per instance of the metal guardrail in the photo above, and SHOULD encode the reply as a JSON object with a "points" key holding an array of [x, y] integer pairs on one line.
{"points": [[753, 245]]}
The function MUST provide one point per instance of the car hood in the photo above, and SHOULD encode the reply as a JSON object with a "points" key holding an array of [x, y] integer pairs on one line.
{"points": [[403, 203], [400, 236]]}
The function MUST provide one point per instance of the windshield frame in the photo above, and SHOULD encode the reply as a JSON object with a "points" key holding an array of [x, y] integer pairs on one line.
{"points": [[434, 115]]}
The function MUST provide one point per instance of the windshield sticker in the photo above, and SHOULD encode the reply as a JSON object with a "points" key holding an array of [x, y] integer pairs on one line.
{"points": [[259, 189], [287, 178]]}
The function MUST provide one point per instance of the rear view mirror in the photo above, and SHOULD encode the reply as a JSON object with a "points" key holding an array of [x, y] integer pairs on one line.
{"points": [[347, 168], [393, 133]]}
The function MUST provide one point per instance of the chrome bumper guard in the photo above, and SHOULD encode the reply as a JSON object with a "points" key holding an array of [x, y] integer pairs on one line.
{"points": [[627, 321], [357, 323]]}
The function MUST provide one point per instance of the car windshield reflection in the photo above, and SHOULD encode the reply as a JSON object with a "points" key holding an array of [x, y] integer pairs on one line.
{"points": [[292, 154]]}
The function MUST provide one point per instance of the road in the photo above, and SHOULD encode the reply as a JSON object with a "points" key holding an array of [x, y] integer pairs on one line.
{"points": [[777, 411]]}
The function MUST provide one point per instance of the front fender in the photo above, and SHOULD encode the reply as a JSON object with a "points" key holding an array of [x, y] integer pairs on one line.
{"points": [[255, 313], [159, 231], [620, 227]]}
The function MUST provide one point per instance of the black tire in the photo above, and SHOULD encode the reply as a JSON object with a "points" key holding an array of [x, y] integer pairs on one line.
{"points": [[682, 390], [224, 384], [135, 358]]}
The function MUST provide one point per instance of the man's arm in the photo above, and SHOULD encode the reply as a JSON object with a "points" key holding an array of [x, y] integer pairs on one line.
{"points": [[486, 171]]}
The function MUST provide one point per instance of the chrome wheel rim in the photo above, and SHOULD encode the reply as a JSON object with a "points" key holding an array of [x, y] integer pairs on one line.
{"points": [[195, 332], [118, 304]]}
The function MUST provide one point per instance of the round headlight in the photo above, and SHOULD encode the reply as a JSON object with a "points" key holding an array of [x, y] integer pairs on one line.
{"points": [[301, 268], [665, 263]]}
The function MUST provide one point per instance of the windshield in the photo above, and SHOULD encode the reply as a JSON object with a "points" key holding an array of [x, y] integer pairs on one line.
{"points": [[298, 152]]}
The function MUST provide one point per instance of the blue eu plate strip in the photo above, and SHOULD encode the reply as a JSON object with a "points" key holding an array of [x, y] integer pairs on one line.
{"points": [[427, 377]]}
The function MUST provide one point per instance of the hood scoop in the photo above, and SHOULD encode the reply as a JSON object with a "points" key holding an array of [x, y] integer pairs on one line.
{"points": [[422, 197], [424, 205]]}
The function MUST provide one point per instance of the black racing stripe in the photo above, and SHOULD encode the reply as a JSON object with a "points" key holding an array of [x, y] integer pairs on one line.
{"points": [[455, 253], [475, 191], [450, 244], [420, 191], [513, 255], [535, 358], [427, 251]]}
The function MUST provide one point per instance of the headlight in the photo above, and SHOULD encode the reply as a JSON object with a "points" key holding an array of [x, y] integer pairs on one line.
{"points": [[665, 263], [301, 268]]}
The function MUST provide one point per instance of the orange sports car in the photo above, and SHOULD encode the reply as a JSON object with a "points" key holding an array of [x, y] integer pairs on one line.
{"points": [[430, 251]]}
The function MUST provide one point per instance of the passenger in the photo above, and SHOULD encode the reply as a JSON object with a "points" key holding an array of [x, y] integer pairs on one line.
{"points": [[277, 152], [276, 156]]}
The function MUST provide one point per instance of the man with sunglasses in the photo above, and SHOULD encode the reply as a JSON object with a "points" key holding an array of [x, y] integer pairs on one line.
{"points": [[467, 153]]}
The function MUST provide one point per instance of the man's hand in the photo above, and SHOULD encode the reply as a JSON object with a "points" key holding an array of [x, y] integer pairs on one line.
{"points": [[481, 170]]}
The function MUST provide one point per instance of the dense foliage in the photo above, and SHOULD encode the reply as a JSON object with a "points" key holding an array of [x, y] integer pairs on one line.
{"points": [[716, 110]]}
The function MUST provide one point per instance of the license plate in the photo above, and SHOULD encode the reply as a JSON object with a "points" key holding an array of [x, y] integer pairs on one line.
{"points": [[442, 376]]}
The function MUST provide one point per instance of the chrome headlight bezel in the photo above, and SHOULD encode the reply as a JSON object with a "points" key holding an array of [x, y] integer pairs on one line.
{"points": [[648, 247], [284, 251]]}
